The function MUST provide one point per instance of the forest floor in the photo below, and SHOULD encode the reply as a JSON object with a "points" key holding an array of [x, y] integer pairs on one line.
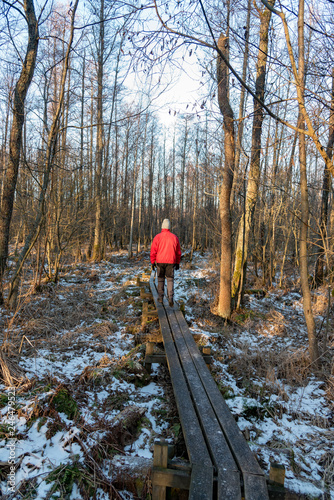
{"points": [[86, 373]]}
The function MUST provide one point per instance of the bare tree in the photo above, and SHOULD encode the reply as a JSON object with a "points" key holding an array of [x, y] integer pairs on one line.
{"points": [[307, 300], [246, 222], [20, 93], [225, 188], [326, 188], [50, 155]]}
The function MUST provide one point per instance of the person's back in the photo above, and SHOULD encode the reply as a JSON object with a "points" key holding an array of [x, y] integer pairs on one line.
{"points": [[166, 255]]}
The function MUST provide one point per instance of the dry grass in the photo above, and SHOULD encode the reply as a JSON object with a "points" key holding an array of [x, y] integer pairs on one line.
{"points": [[276, 321], [10, 372], [330, 391], [291, 366], [320, 302], [91, 373], [327, 461], [43, 318], [102, 330]]}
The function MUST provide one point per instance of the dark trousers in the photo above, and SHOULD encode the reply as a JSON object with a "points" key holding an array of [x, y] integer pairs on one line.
{"points": [[165, 271]]}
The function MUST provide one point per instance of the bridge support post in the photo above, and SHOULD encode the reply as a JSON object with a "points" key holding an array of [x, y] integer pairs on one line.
{"points": [[160, 460], [207, 352], [149, 352]]}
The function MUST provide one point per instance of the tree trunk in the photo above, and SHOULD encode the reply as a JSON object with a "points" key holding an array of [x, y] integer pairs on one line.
{"points": [[15, 141], [97, 249], [238, 148], [224, 299], [50, 154], [303, 258], [245, 228], [326, 187]]}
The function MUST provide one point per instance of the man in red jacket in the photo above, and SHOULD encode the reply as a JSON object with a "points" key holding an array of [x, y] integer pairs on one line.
{"points": [[166, 256]]}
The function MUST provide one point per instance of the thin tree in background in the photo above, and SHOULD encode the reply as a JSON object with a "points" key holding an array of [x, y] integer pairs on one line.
{"points": [[98, 244], [303, 257], [326, 188]]}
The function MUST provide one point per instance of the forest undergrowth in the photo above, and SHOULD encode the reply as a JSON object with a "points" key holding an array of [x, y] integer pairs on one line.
{"points": [[88, 412]]}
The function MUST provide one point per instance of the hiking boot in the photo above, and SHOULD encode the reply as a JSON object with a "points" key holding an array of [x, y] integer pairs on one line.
{"points": [[170, 302], [160, 300]]}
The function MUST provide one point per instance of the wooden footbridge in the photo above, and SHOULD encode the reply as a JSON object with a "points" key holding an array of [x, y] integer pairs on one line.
{"points": [[221, 464]]}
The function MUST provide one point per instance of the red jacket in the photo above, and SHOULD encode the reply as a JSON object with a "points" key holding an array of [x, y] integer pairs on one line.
{"points": [[165, 248]]}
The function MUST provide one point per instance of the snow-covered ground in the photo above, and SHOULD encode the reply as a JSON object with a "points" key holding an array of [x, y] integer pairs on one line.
{"points": [[79, 352]]}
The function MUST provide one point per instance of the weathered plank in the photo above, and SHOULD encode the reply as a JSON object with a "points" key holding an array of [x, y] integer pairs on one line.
{"points": [[255, 487], [198, 480], [236, 441], [228, 447], [171, 478], [160, 459], [228, 473], [161, 358], [192, 431]]}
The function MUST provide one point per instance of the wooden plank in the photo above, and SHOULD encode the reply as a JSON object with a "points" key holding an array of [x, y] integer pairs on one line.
{"points": [[161, 358], [171, 478], [237, 443], [145, 295], [142, 338], [234, 436], [192, 432], [198, 481], [160, 459], [228, 475], [227, 485], [144, 314], [255, 487], [277, 473], [148, 353], [160, 454]]}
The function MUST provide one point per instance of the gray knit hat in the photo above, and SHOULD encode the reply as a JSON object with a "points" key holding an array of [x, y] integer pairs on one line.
{"points": [[165, 224]]}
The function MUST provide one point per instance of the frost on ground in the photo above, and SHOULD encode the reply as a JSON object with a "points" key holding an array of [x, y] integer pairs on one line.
{"points": [[87, 421]]}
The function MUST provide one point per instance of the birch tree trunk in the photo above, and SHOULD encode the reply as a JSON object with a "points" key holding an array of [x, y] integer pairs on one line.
{"points": [[15, 140]]}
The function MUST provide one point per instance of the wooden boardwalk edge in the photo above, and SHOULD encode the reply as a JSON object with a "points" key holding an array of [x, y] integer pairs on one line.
{"points": [[238, 444], [193, 435], [202, 407]]}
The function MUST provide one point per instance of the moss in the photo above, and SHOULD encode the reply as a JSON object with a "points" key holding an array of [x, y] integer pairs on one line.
{"points": [[242, 315], [176, 428], [65, 476], [237, 274], [140, 485], [6, 431], [3, 400], [64, 403]]}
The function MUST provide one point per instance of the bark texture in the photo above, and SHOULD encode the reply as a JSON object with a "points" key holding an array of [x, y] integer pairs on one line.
{"points": [[246, 222], [303, 257], [224, 299], [15, 143], [326, 187]]}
